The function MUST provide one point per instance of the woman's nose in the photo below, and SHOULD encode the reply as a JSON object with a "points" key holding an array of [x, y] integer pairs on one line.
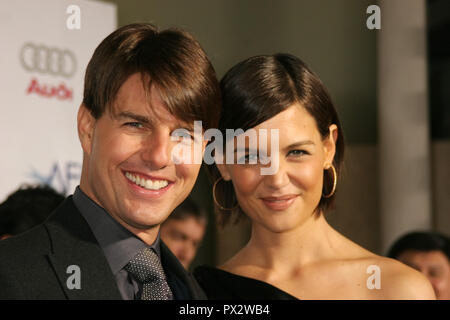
{"points": [[277, 180]]}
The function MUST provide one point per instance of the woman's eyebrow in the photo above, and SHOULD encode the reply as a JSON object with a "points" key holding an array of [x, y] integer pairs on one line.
{"points": [[300, 144], [236, 149], [291, 146]]}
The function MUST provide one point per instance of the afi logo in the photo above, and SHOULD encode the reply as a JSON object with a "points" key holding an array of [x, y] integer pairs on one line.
{"points": [[60, 177]]}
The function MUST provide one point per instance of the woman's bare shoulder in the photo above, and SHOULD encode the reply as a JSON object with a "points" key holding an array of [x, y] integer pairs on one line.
{"points": [[398, 281], [385, 278]]}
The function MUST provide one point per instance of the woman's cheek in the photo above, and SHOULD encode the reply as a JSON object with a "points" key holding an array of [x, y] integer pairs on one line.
{"points": [[245, 179], [310, 175]]}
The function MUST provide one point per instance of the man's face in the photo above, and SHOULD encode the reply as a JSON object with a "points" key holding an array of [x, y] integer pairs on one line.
{"points": [[183, 237], [127, 166], [434, 265]]}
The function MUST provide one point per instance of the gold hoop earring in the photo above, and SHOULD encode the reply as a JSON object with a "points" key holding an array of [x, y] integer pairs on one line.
{"points": [[215, 199], [334, 183]]}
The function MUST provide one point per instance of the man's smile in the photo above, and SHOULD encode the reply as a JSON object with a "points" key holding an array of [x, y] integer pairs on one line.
{"points": [[147, 182]]}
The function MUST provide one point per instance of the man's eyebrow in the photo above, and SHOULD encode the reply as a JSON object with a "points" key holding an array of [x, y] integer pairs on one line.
{"points": [[186, 125], [131, 115], [410, 264], [147, 120], [436, 266]]}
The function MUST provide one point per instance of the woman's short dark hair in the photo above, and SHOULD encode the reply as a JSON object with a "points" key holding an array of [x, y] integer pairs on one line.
{"points": [[171, 60], [420, 241], [258, 89]]}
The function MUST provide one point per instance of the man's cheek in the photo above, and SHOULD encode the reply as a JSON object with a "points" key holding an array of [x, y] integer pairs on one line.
{"points": [[188, 171]]}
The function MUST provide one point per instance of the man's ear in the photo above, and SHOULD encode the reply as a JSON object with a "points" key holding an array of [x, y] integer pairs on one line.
{"points": [[85, 124], [330, 145], [204, 143]]}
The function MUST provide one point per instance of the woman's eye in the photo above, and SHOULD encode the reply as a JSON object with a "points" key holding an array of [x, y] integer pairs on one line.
{"points": [[248, 158], [297, 153]]}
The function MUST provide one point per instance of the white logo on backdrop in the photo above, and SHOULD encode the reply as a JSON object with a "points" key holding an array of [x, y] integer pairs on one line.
{"points": [[50, 60]]}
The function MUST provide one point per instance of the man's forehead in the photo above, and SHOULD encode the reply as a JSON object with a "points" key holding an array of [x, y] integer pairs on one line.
{"points": [[150, 117], [419, 255], [146, 112], [141, 97]]}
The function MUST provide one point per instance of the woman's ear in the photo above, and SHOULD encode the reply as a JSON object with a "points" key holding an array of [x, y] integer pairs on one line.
{"points": [[219, 158], [330, 145], [85, 124], [224, 171]]}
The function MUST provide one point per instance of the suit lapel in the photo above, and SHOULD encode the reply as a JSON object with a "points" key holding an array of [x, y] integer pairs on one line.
{"points": [[76, 257]]}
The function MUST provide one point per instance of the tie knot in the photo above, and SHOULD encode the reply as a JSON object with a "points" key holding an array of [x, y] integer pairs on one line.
{"points": [[146, 266]]}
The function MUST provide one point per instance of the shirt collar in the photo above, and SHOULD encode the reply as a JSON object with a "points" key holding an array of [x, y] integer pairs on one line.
{"points": [[118, 244]]}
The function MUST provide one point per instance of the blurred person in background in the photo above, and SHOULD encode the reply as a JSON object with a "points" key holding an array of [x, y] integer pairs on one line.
{"points": [[27, 207], [429, 253], [183, 231]]}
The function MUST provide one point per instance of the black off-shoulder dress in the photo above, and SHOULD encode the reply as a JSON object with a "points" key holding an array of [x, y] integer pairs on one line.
{"points": [[222, 285]]}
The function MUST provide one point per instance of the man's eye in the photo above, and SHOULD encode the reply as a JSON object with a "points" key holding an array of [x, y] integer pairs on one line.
{"points": [[183, 139], [435, 273], [181, 134], [134, 124]]}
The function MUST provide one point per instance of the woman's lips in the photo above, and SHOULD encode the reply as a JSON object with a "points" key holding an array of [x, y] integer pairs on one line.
{"points": [[279, 203]]}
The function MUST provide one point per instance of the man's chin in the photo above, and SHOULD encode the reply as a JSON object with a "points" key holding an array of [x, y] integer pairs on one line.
{"points": [[146, 218], [145, 224]]}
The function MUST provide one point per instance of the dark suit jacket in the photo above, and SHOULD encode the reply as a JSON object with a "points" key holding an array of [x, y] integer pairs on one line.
{"points": [[34, 265]]}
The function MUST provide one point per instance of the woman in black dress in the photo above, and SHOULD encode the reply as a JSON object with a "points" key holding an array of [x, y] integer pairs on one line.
{"points": [[283, 177]]}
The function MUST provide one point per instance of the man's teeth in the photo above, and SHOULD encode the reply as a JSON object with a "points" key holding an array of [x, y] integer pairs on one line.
{"points": [[147, 184]]}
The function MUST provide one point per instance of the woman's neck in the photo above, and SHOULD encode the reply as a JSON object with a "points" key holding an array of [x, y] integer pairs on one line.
{"points": [[309, 242]]}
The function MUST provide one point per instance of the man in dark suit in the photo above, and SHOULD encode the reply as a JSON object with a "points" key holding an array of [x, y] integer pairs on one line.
{"points": [[103, 242]]}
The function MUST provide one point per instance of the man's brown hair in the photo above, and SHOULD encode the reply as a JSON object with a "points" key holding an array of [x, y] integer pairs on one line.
{"points": [[170, 60]]}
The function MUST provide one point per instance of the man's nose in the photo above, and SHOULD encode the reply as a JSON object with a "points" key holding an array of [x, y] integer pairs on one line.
{"points": [[433, 283], [157, 148], [187, 253]]}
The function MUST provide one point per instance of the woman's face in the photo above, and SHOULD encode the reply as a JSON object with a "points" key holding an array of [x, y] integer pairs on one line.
{"points": [[285, 199]]}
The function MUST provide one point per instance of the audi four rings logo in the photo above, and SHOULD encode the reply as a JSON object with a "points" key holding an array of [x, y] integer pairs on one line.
{"points": [[44, 59]]}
